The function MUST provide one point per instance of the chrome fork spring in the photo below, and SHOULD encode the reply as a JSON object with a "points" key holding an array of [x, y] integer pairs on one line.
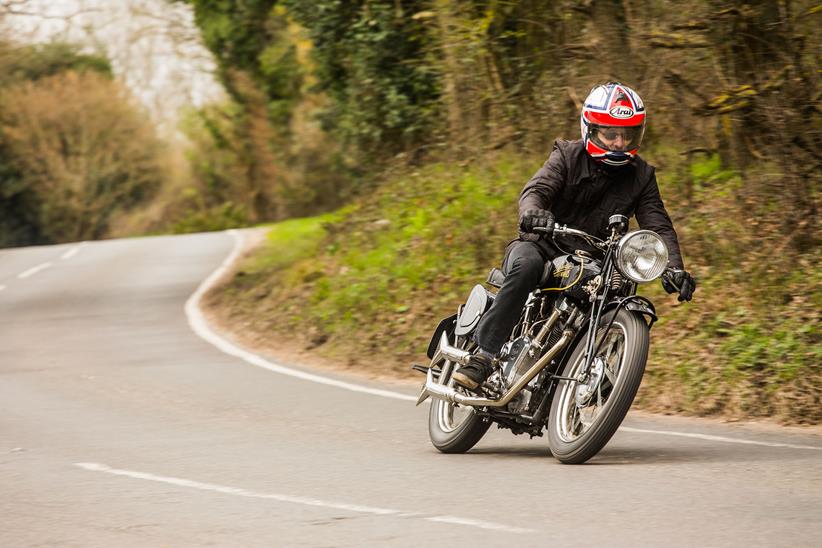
{"points": [[617, 280]]}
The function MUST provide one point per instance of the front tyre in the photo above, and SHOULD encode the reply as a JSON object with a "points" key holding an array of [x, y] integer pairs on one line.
{"points": [[454, 428], [584, 417]]}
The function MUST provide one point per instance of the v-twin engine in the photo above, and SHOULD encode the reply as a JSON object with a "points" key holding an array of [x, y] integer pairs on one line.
{"points": [[517, 357]]}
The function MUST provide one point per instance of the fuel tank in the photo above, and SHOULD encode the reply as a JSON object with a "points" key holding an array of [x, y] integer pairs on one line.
{"points": [[573, 272]]}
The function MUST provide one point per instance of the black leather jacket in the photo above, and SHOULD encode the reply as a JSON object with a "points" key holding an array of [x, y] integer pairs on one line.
{"points": [[583, 194]]}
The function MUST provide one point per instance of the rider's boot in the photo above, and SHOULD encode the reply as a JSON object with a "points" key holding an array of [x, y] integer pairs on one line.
{"points": [[473, 374]]}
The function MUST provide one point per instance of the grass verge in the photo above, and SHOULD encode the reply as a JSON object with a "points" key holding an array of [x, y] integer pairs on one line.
{"points": [[365, 286]]}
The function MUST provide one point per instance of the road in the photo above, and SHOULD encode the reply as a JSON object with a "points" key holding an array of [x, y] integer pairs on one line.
{"points": [[122, 426]]}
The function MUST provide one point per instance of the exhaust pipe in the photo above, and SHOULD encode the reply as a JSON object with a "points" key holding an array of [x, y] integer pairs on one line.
{"points": [[442, 392], [450, 353]]}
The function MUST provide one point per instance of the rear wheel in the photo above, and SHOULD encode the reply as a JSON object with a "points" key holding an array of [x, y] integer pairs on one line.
{"points": [[584, 416], [454, 428]]}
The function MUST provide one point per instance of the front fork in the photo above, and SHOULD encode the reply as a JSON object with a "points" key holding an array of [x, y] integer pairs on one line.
{"points": [[635, 303], [599, 298]]}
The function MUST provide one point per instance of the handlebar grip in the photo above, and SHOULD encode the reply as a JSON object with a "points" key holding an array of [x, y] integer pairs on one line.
{"points": [[545, 229]]}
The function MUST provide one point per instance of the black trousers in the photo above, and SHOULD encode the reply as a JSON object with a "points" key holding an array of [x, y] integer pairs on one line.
{"points": [[523, 265]]}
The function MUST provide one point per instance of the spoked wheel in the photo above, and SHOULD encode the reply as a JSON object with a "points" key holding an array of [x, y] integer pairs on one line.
{"points": [[453, 428], [585, 415]]}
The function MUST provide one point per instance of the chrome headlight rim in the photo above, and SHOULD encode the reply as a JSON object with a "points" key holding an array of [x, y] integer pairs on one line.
{"points": [[661, 258]]}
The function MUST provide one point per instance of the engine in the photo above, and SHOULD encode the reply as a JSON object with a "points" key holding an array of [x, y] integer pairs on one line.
{"points": [[516, 359]]}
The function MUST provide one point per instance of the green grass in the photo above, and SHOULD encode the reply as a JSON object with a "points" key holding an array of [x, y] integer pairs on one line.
{"points": [[378, 275], [290, 242]]}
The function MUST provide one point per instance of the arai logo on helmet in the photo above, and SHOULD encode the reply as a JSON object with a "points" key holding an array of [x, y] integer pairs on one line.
{"points": [[621, 112]]}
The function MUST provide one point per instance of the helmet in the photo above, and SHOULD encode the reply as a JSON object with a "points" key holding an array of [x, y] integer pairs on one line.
{"points": [[612, 123]]}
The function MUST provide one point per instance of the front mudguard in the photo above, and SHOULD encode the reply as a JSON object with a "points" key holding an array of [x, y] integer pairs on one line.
{"points": [[637, 304]]}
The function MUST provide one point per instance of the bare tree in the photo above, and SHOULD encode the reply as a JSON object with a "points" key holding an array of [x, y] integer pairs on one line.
{"points": [[154, 46]]}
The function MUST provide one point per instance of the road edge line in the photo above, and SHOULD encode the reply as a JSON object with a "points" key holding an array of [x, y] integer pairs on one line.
{"points": [[722, 439], [198, 323]]}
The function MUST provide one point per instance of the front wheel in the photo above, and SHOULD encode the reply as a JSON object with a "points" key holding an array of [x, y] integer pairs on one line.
{"points": [[584, 416], [454, 428]]}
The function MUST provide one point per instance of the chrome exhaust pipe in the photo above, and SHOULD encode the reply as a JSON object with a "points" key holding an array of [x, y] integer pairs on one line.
{"points": [[451, 353], [444, 352], [445, 393]]}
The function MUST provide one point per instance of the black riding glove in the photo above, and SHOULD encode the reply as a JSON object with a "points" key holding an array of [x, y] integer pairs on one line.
{"points": [[536, 218], [676, 280]]}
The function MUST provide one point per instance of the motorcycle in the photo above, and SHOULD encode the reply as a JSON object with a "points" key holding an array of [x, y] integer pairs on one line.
{"points": [[574, 360]]}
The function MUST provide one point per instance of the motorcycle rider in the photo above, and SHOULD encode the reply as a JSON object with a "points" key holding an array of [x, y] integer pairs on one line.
{"points": [[582, 183]]}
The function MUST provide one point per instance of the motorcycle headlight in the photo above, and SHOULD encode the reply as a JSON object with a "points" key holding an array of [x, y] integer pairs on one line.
{"points": [[641, 256]]}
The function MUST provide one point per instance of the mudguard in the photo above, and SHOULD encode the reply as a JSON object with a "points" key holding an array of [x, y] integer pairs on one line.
{"points": [[445, 326], [639, 304]]}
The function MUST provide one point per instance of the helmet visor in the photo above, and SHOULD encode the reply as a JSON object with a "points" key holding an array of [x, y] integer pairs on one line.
{"points": [[615, 138]]}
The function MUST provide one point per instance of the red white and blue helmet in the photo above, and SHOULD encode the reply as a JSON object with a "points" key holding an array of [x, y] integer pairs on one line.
{"points": [[612, 109]]}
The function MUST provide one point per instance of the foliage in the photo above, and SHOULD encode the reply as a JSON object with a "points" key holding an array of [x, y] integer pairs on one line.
{"points": [[220, 217], [254, 45], [266, 137], [29, 63], [371, 59], [464, 77], [749, 344], [75, 151]]}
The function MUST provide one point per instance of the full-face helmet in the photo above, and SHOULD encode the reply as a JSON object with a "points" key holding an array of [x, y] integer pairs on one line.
{"points": [[612, 123]]}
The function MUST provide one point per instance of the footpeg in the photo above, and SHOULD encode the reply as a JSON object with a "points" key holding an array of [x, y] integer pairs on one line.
{"points": [[421, 368], [424, 370]]}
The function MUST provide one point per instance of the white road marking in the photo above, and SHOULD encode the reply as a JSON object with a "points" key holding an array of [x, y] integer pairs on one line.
{"points": [[72, 252], [198, 323], [201, 328], [34, 270], [722, 439], [481, 524], [304, 501]]}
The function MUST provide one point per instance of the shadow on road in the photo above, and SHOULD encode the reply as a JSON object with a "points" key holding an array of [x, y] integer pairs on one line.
{"points": [[649, 454]]}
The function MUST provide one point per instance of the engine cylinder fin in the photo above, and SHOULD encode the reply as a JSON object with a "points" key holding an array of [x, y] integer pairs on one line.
{"points": [[554, 336]]}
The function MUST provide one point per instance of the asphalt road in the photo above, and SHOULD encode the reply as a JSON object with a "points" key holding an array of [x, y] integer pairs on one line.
{"points": [[121, 426]]}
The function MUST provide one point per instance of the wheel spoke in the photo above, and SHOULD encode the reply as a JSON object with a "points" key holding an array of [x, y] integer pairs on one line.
{"points": [[587, 417], [577, 420], [577, 425], [613, 357], [609, 349], [610, 375]]}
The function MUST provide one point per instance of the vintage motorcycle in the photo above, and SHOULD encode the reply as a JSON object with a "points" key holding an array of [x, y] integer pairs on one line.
{"points": [[573, 362]]}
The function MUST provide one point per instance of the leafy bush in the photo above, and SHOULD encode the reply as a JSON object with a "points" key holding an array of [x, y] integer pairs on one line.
{"points": [[29, 63], [75, 151]]}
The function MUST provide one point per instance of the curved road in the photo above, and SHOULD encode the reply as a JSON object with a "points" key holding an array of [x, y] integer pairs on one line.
{"points": [[120, 426]]}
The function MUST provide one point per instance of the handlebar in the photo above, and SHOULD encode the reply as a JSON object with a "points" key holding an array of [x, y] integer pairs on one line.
{"points": [[563, 230]]}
